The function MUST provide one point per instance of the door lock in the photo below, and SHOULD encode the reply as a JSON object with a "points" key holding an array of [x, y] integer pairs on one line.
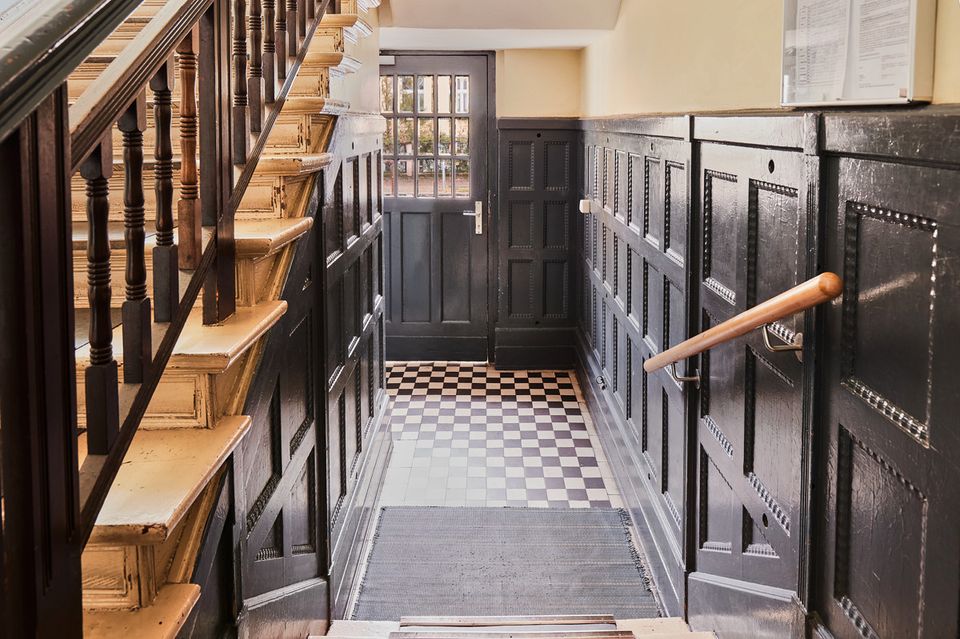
{"points": [[477, 215]]}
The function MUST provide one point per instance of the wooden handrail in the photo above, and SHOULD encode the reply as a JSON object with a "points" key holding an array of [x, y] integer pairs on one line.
{"points": [[124, 78], [815, 291]]}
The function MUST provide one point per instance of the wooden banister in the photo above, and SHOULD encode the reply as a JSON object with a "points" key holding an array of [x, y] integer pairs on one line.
{"points": [[815, 291]]}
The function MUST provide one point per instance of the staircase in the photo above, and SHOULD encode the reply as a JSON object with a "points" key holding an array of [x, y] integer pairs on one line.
{"points": [[139, 560], [533, 627]]}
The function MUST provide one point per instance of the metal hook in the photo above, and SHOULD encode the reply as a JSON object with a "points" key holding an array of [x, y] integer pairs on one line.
{"points": [[795, 345], [672, 371]]}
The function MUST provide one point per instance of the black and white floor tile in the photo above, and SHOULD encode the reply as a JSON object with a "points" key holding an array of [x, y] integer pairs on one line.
{"points": [[466, 434]]}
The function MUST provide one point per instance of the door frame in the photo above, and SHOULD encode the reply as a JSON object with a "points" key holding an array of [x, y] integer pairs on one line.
{"points": [[492, 162]]}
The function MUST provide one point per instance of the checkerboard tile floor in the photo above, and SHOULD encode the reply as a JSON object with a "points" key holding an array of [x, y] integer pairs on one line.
{"points": [[466, 434]]}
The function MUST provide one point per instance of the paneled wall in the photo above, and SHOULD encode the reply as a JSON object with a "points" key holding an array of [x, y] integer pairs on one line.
{"points": [[784, 487], [636, 252], [536, 234], [306, 478]]}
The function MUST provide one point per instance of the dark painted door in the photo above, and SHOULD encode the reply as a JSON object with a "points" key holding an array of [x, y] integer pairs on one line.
{"points": [[435, 199], [751, 431], [891, 525]]}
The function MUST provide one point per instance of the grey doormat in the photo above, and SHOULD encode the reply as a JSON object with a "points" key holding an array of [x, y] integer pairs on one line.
{"points": [[503, 561]]}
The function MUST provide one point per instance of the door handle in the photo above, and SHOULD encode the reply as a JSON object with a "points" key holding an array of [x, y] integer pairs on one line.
{"points": [[477, 214]]}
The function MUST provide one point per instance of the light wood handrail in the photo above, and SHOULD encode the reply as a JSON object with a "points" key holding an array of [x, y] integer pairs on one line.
{"points": [[815, 291]]}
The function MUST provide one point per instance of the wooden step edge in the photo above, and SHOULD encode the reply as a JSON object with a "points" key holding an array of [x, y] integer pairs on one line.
{"points": [[163, 474], [352, 21], [516, 620], [333, 60], [206, 349], [343, 629], [163, 619], [293, 165], [654, 626], [314, 105], [463, 633], [258, 238]]}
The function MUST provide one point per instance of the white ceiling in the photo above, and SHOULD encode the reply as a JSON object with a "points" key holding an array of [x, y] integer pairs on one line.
{"points": [[494, 24]]}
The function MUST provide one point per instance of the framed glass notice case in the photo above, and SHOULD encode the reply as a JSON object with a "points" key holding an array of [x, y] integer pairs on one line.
{"points": [[842, 52]]}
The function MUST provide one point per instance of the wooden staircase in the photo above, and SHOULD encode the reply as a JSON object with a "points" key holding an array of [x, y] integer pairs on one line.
{"points": [[139, 559], [527, 627]]}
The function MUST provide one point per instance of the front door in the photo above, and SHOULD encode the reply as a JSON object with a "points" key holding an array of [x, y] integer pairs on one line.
{"points": [[435, 204]]}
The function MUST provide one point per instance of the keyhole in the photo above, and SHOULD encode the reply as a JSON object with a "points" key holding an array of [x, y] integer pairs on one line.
{"points": [[765, 521], [771, 166]]}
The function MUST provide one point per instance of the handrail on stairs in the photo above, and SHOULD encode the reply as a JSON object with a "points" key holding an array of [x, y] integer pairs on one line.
{"points": [[813, 292], [228, 66]]}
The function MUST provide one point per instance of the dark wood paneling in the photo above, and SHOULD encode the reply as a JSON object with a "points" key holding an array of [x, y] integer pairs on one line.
{"points": [[752, 450], [40, 569], [636, 256], [890, 542], [311, 468], [536, 244]]}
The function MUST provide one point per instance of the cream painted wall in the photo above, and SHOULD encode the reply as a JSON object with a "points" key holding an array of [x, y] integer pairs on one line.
{"points": [[685, 55], [946, 65], [691, 55], [362, 89], [538, 83]]}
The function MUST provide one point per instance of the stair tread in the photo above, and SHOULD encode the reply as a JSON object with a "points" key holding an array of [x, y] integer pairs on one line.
{"points": [[371, 629], [207, 349], [162, 474], [314, 105], [656, 626], [509, 620], [464, 633], [256, 238], [160, 620], [331, 59], [347, 21], [292, 165]]}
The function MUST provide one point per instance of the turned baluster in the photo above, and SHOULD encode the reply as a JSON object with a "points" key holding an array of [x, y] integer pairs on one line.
{"points": [[255, 82], [292, 40], [100, 378], [217, 163], [311, 9], [281, 39], [188, 208], [166, 285], [137, 351], [241, 131], [302, 17], [269, 52]]}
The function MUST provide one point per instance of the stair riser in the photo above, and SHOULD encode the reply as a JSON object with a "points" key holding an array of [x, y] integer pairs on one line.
{"points": [[325, 82], [119, 577], [258, 280], [118, 264], [183, 399], [290, 134], [268, 197], [115, 197]]}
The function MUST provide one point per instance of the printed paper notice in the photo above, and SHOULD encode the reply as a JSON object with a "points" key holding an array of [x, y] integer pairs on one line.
{"points": [[882, 43], [821, 40]]}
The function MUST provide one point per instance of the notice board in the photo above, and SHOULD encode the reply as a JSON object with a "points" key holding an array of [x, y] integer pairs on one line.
{"points": [[857, 52]]}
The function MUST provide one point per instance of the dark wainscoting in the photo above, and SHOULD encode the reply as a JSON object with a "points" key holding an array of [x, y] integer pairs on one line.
{"points": [[535, 239], [757, 495], [308, 476]]}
